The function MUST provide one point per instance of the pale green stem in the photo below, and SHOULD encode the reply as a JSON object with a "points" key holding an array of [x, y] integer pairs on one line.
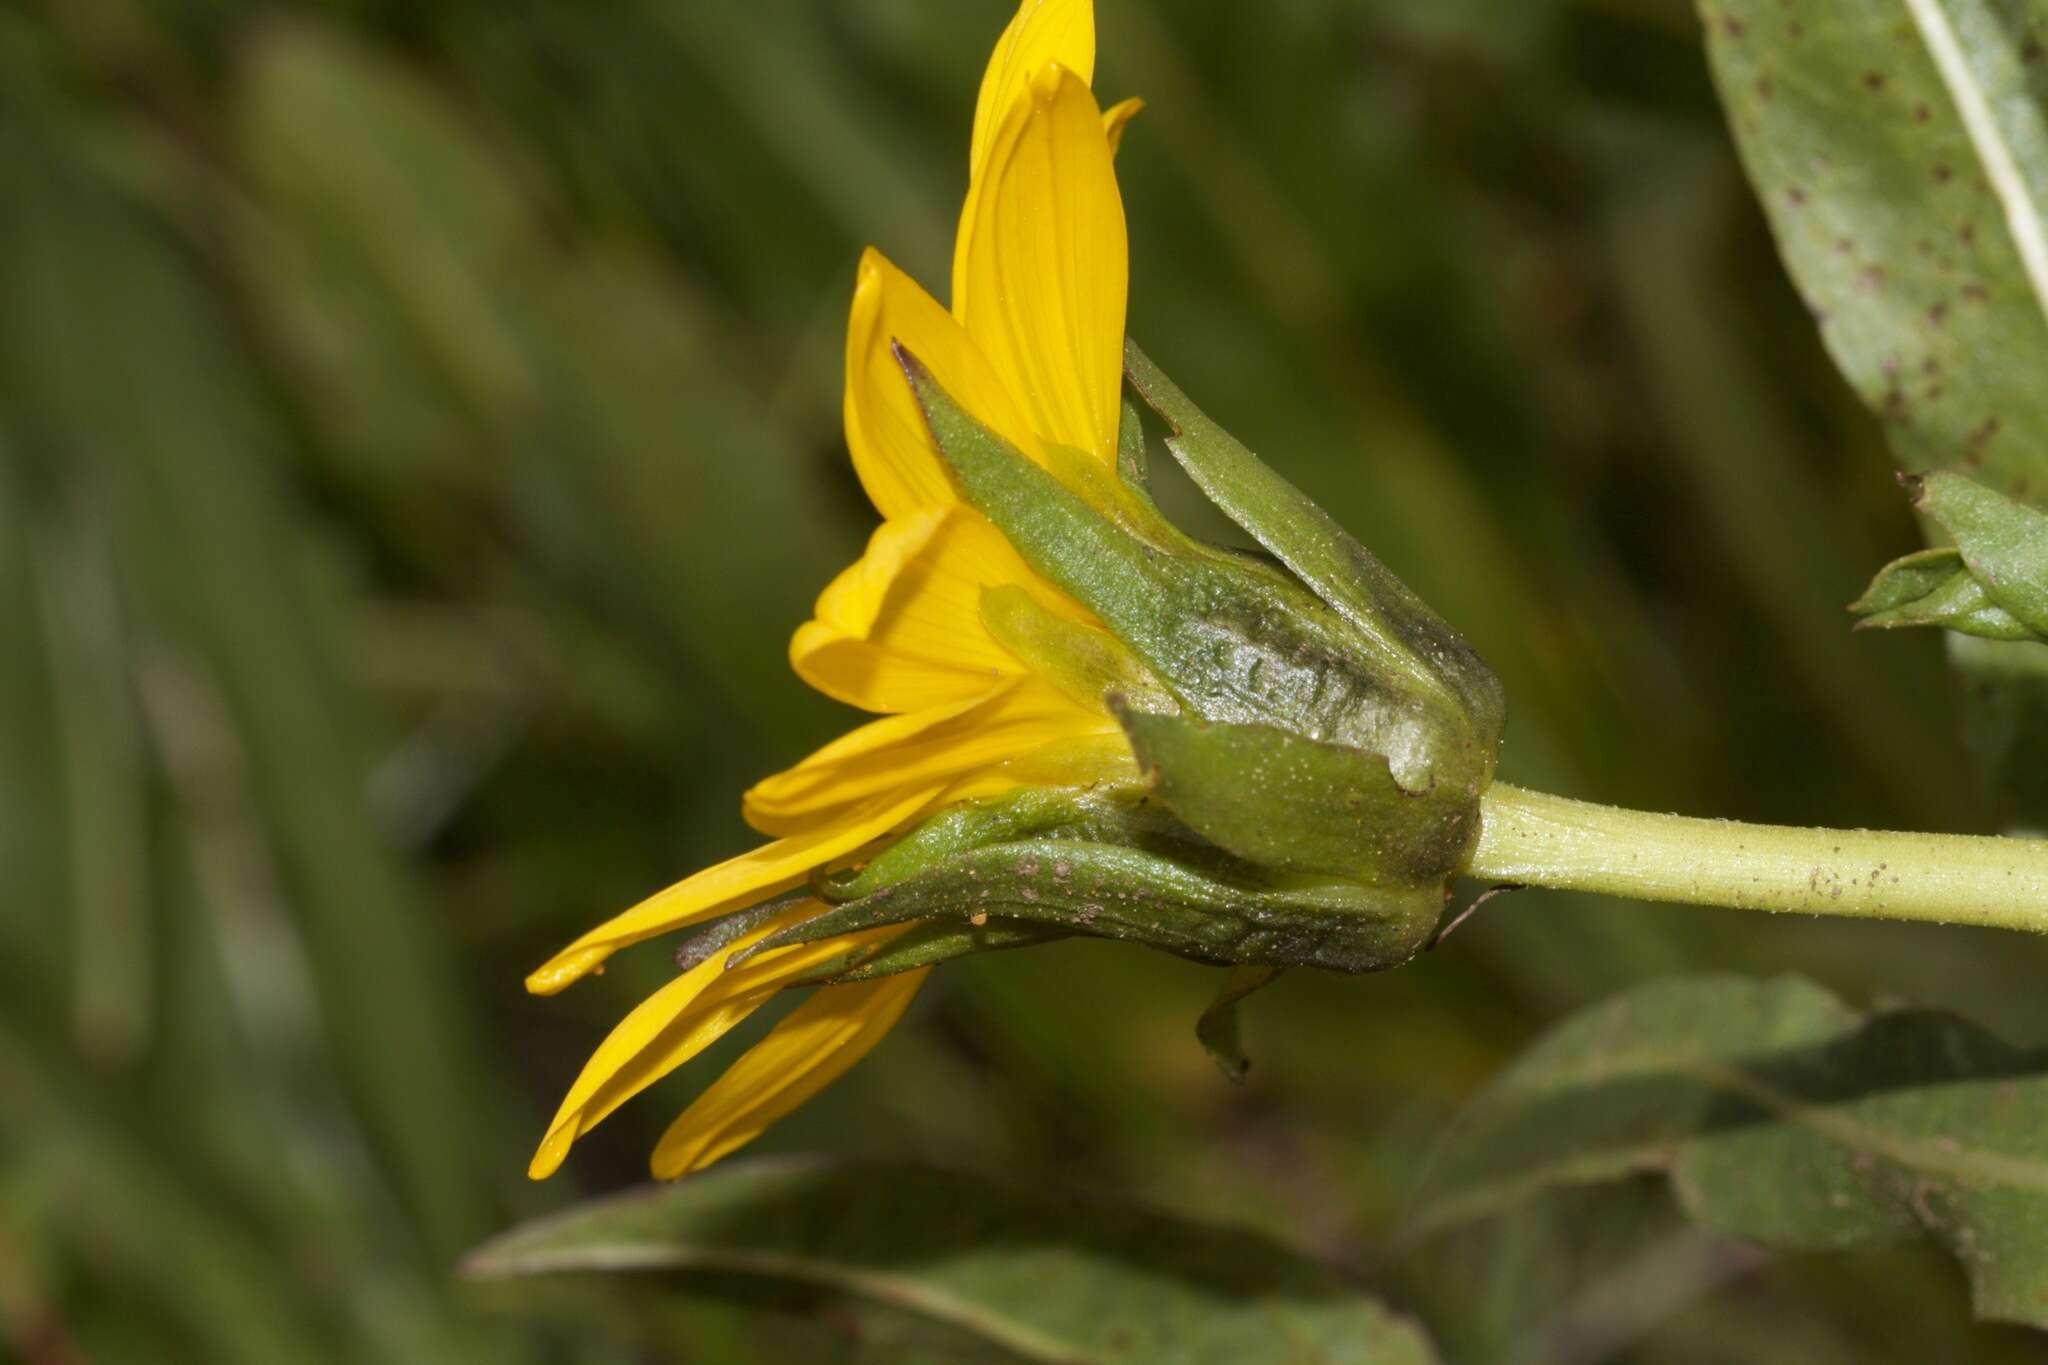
{"points": [[1531, 839]]}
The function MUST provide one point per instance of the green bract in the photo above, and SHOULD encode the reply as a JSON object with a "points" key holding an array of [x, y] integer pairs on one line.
{"points": [[1314, 740], [1109, 862]]}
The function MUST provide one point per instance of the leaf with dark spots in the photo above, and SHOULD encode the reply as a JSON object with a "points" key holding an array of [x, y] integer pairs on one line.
{"points": [[1902, 158]]}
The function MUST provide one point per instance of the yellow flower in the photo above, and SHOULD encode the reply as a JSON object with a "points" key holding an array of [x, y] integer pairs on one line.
{"points": [[1033, 347]]}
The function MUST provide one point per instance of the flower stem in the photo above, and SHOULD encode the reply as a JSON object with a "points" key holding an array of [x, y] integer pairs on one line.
{"points": [[1533, 839]]}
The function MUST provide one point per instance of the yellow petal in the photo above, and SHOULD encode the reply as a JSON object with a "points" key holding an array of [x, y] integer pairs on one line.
{"points": [[806, 1052], [1043, 32], [1041, 269], [902, 630], [646, 1045], [1079, 760], [923, 750], [679, 1021], [885, 430], [754, 876], [1118, 117], [866, 675], [773, 804]]}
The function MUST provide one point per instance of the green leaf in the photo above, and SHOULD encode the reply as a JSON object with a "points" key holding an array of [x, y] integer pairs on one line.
{"points": [[1902, 155], [1935, 588], [1783, 1117], [1993, 583], [2004, 543], [1034, 1277]]}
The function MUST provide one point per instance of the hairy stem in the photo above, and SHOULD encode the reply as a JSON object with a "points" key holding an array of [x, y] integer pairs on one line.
{"points": [[1533, 839]]}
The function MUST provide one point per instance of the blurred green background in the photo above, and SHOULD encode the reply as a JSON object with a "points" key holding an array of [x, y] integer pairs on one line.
{"points": [[419, 433]]}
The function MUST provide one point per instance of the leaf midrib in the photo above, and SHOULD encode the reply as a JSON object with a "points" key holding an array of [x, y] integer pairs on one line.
{"points": [[1020, 1339], [2023, 217]]}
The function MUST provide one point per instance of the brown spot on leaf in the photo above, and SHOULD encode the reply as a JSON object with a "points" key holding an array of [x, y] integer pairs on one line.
{"points": [[1942, 173], [1937, 314], [1976, 293], [1873, 81], [1921, 113]]}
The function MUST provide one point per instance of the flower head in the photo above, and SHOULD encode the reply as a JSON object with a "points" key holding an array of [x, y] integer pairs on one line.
{"points": [[1091, 724], [1034, 343]]}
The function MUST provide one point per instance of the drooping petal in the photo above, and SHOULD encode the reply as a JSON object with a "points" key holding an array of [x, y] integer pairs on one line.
{"points": [[1041, 269], [819, 1041], [1043, 32], [1118, 117], [679, 1021], [646, 1045], [923, 750], [886, 433], [754, 876]]}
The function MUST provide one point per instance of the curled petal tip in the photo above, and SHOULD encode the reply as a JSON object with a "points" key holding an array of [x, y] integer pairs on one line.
{"points": [[553, 1150], [564, 971]]}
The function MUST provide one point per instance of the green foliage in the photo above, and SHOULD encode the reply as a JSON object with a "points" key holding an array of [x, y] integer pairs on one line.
{"points": [[1023, 1277], [1902, 158], [1899, 154], [1936, 588], [1782, 1117], [1992, 584]]}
